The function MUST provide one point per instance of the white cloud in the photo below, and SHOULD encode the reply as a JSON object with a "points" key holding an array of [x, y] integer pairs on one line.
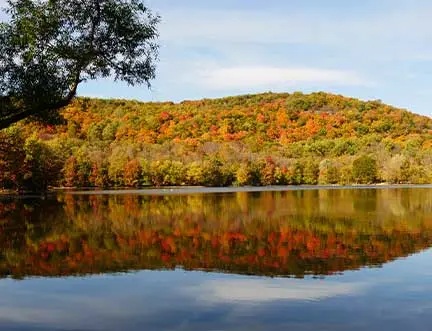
{"points": [[258, 291], [268, 77]]}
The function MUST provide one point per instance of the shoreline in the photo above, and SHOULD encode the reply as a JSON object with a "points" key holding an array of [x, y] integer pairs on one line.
{"points": [[184, 190]]}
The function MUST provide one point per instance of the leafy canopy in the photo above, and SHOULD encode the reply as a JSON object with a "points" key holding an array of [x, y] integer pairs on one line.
{"points": [[49, 47]]}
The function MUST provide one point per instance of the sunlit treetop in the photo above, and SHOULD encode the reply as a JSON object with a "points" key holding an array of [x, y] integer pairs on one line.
{"points": [[47, 48]]}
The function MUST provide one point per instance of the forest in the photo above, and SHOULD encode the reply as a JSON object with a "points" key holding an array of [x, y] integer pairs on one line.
{"points": [[261, 139]]}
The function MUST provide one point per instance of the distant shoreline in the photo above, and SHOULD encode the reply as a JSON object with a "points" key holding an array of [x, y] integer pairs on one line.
{"points": [[184, 190]]}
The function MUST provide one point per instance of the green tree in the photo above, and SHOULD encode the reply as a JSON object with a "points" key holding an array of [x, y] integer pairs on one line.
{"points": [[12, 156], [216, 173], [294, 174], [194, 174], [41, 165], [49, 47], [364, 170], [167, 173], [248, 174], [310, 172], [117, 161]]}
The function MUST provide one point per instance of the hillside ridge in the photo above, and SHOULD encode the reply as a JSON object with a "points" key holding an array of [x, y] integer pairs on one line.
{"points": [[256, 139], [251, 96]]}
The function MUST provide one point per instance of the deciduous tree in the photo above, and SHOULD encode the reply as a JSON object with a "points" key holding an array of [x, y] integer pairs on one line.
{"points": [[49, 47]]}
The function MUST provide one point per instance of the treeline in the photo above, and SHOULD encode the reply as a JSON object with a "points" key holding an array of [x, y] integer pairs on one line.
{"points": [[264, 139]]}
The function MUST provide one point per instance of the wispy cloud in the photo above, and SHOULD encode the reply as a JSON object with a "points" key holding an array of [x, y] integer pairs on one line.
{"points": [[267, 77], [305, 27]]}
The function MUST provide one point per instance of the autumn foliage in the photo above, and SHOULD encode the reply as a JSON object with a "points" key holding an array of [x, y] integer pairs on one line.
{"points": [[263, 139]]}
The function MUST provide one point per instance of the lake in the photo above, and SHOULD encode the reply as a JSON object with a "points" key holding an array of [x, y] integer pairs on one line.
{"points": [[224, 259]]}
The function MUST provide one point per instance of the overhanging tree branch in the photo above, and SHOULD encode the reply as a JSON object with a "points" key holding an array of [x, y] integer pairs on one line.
{"points": [[49, 47], [6, 122]]}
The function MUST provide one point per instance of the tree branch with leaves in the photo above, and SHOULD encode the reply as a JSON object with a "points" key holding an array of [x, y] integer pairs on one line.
{"points": [[49, 47]]}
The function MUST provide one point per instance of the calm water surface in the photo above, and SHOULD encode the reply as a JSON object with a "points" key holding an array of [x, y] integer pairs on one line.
{"points": [[351, 259]]}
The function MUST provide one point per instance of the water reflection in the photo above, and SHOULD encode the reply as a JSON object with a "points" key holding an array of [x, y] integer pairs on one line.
{"points": [[257, 291], [294, 233], [369, 299]]}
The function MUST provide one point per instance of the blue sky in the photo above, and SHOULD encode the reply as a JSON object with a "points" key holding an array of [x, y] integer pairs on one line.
{"points": [[369, 49]]}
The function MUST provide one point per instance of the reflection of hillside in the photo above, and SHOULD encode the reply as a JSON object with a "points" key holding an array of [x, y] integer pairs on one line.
{"points": [[273, 233]]}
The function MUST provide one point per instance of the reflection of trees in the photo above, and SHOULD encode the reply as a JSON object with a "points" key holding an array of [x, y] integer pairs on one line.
{"points": [[272, 233]]}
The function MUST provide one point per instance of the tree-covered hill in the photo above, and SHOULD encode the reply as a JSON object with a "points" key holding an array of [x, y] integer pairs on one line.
{"points": [[260, 139]]}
